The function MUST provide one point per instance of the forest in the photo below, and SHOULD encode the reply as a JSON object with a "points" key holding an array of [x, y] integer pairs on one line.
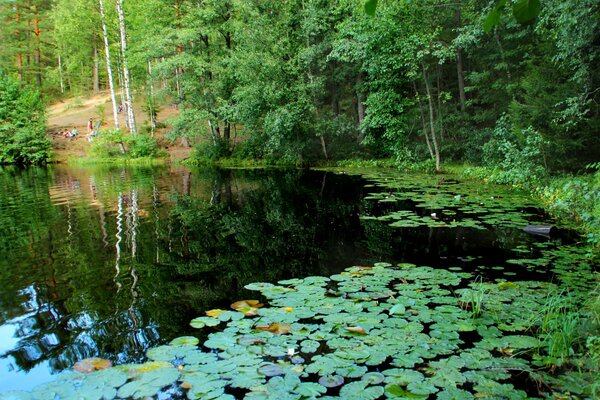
{"points": [[503, 84]]}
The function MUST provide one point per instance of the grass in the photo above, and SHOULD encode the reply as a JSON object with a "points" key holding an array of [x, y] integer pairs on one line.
{"points": [[117, 161]]}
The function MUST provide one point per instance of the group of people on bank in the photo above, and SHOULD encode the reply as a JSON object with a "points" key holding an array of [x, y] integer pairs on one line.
{"points": [[92, 131]]}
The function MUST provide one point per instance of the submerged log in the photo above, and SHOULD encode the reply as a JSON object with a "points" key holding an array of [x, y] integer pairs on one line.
{"points": [[542, 230]]}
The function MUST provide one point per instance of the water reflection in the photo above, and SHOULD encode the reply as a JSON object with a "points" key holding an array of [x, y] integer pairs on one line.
{"points": [[111, 261]]}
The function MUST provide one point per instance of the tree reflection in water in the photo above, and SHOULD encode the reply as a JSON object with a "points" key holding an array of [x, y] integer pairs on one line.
{"points": [[108, 262]]}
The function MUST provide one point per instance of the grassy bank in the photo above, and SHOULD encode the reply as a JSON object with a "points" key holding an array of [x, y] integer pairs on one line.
{"points": [[144, 161]]}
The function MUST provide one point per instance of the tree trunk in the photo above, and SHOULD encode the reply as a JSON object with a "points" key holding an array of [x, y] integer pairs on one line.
{"points": [[423, 123], [18, 35], [122, 91], [323, 147], [227, 133], [432, 121], [439, 103], [459, 68], [126, 79], [360, 99], [111, 86], [152, 105], [38, 51], [95, 77], [461, 79], [60, 74]]}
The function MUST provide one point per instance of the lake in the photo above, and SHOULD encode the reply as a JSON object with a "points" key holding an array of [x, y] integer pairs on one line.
{"points": [[112, 261]]}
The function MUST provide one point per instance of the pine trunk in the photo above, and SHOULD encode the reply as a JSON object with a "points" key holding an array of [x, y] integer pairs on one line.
{"points": [[18, 35], [111, 86], [38, 51]]}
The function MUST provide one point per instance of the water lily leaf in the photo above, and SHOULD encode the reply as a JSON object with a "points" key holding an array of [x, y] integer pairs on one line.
{"points": [[373, 378], [259, 286], [398, 309], [331, 381], [402, 377], [309, 346], [221, 340], [92, 364], [245, 378], [395, 391], [352, 371], [326, 365], [134, 369], [251, 340], [53, 390], [271, 370], [247, 307], [454, 394], [277, 329], [297, 360], [421, 388], [148, 383], [214, 313], [201, 322], [406, 360], [355, 329], [199, 357], [358, 391], [203, 386], [310, 389], [185, 341]]}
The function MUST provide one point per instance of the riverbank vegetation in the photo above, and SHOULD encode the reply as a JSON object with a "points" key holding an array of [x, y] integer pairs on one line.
{"points": [[439, 80]]}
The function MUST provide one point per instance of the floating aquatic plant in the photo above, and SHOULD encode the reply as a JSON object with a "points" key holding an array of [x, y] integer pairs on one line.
{"points": [[392, 331]]}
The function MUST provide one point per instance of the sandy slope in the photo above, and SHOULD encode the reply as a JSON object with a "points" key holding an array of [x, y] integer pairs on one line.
{"points": [[75, 113]]}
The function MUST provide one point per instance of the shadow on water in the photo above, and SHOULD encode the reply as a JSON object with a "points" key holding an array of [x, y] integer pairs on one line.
{"points": [[111, 261]]}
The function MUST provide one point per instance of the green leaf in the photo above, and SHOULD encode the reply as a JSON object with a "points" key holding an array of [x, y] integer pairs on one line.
{"points": [[491, 20], [370, 7], [526, 10], [184, 341], [310, 389]]}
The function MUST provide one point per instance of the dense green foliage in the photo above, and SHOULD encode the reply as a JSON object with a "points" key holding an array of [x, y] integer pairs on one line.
{"points": [[300, 81], [22, 124]]}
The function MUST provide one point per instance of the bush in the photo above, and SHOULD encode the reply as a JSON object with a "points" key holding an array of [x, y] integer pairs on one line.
{"points": [[107, 144], [141, 146], [518, 153], [207, 153], [22, 125], [110, 144]]}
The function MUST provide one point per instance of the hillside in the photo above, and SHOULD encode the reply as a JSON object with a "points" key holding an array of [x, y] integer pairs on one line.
{"points": [[74, 113]]}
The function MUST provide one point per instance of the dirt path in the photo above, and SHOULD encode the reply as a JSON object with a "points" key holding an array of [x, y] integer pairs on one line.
{"points": [[74, 114]]}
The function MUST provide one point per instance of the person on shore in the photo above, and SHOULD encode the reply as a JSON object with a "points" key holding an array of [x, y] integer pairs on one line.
{"points": [[90, 126]]}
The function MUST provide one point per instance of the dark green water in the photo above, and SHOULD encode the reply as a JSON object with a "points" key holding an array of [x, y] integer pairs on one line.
{"points": [[109, 262]]}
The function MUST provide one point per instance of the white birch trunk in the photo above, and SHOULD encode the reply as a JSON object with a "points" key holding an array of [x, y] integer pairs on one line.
{"points": [[126, 80], [60, 73], [113, 98]]}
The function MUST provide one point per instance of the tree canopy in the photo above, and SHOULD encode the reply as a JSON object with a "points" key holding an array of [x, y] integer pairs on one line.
{"points": [[308, 80]]}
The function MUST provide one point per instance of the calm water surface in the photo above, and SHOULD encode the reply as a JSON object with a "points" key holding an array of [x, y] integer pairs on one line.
{"points": [[109, 262]]}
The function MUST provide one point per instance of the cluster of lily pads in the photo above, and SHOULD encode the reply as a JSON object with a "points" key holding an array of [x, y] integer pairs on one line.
{"points": [[448, 203], [401, 332]]}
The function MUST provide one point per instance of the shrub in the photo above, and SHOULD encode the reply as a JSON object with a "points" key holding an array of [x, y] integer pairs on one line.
{"points": [[519, 153], [141, 146], [22, 124]]}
